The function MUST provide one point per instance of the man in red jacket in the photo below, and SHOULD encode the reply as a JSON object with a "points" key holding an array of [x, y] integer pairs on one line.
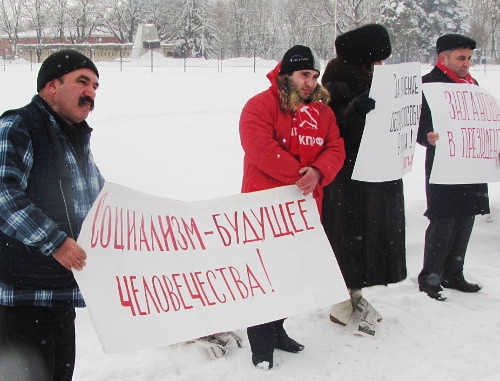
{"points": [[289, 136]]}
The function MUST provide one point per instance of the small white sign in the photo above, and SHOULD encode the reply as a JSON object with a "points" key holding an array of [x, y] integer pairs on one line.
{"points": [[389, 137], [467, 119]]}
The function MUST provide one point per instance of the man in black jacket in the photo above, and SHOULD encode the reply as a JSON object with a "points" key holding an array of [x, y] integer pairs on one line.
{"points": [[451, 209], [48, 182]]}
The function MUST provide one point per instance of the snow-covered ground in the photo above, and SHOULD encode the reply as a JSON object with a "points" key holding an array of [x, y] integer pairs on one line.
{"points": [[175, 134]]}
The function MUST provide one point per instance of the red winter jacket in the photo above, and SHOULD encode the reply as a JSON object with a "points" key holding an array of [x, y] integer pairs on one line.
{"points": [[265, 131]]}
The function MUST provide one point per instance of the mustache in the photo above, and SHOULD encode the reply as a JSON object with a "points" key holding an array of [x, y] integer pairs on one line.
{"points": [[86, 99]]}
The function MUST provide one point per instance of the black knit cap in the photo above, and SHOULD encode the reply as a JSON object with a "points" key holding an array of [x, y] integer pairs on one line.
{"points": [[454, 41], [365, 45], [299, 57], [60, 63]]}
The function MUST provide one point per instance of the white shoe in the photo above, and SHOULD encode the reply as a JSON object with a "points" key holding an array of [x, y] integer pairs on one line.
{"points": [[228, 336], [341, 313], [215, 345], [356, 296], [364, 320]]}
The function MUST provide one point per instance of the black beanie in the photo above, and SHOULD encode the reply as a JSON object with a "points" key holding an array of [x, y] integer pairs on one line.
{"points": [[60, 63], [365, 45], [299, 57], [454, 41]]}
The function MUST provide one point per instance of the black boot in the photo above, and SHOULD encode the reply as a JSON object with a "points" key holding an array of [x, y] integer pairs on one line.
{"points": [[460, 284], [285, 343], [263, 360], [433, 292]]}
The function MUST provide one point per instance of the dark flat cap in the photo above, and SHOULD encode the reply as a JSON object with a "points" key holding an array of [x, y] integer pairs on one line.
{"points": [[367, 44], [60, 63], [454, 41]]}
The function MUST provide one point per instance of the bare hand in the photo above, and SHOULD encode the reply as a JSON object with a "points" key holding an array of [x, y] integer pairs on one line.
{"points": [[70, 255], [432, 137], [310, 178]]}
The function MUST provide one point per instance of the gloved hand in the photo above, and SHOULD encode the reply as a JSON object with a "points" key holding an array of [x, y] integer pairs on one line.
{"points": [[364, 104]]}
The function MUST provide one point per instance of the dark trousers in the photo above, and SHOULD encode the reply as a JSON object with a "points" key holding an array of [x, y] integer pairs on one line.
{"points": [[263, 337], [37, 343], [446, 243]]}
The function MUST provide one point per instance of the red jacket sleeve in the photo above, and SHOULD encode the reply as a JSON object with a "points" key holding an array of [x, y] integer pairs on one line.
{"points": [[332, 157]]}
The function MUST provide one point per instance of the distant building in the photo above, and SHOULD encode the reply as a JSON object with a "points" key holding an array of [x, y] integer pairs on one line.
{"points": [[99, 47], [29, 38]]}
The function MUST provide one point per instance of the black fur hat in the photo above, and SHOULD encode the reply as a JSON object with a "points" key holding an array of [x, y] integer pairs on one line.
{"points": [[454, 41], [365, 45], [60, 63], [299, 57]]}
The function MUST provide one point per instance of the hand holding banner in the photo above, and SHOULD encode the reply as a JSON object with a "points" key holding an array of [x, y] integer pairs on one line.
{"points": [[161, 271]]}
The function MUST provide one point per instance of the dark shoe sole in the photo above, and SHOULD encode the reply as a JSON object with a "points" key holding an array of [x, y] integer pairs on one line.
{"points": [[432, 294]]}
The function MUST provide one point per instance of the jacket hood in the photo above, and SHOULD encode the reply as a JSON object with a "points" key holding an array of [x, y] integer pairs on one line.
{"points": [[273, 76]]}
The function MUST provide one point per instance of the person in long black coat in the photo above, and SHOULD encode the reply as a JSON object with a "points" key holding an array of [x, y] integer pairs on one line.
{"points": [[364, 221], [451, 209]]}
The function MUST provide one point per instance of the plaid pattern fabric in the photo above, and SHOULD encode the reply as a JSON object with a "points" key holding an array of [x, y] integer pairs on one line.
{"points": [[20, 219], [66, 297]]}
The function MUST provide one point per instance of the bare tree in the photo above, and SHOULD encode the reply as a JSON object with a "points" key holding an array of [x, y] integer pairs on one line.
{"points": [[60, 11], [121, 18], [266, 27], [483, 25], [36, 12], [10, 14], [84, 19], [495, 20], [165, 15]]}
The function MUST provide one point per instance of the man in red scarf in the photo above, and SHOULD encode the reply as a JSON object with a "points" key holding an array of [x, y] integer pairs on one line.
{"points": [[451, 209], [290, 136]]}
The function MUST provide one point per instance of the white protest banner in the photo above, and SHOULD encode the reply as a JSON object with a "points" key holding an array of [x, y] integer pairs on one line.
{"points": [[161, 271], [390, 133], [467, 119]]}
